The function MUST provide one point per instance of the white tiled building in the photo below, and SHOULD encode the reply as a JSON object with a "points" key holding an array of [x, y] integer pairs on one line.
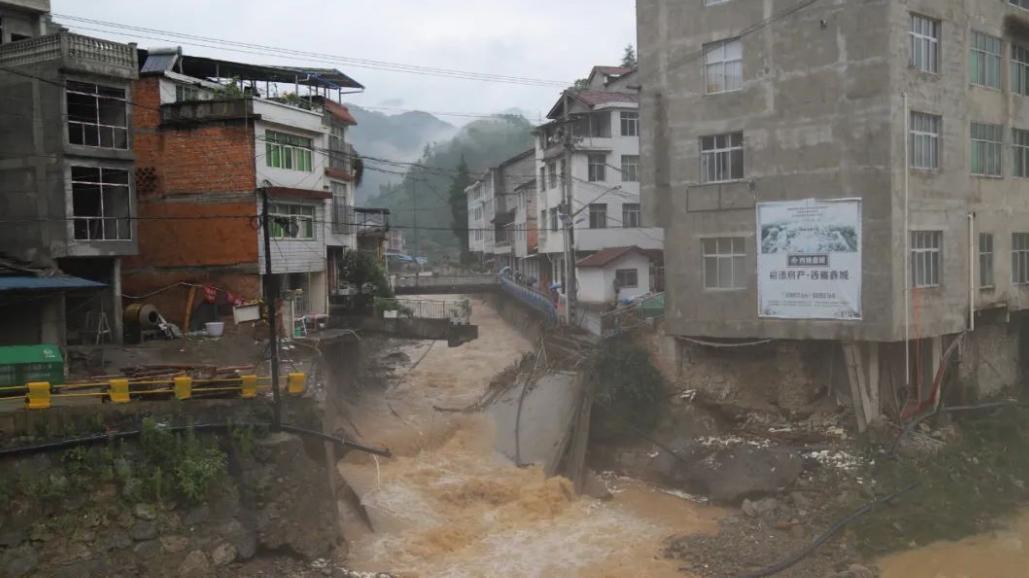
{"points": [[591, 146]]}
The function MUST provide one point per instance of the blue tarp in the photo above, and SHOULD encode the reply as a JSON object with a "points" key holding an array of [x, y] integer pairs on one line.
{"points": [[59, 282]]}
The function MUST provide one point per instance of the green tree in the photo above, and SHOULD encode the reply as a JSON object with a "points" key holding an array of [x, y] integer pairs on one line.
{"points": [[459, 207], [629, 58]]}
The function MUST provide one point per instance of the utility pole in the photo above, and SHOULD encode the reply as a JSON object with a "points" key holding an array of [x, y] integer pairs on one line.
{"points": [[273, 318], [414, 220], [571, 288]]}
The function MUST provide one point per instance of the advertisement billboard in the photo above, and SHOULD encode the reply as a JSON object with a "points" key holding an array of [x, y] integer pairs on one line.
{"points": [[809, 259]]}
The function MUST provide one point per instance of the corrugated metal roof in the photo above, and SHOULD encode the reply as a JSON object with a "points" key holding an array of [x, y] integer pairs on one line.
{"points": [[18, 283]]}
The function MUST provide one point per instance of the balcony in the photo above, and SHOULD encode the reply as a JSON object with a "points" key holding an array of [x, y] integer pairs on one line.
{"points": [[74, 52], [371, 221]]}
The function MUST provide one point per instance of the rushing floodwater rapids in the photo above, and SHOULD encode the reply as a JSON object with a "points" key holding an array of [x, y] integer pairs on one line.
{"points": [[449, 505]]}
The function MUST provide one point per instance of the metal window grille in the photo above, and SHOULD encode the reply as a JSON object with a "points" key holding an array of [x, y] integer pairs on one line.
{"points": [[598, 216], [925, 140], [630, 123], [630, 168], [985, 260], [627, 278], [925, 44], [721, 157], [1020, 258], [984, 60], [597, 167], [97, 115], [724, 262], [987, 149], [631, 215], [926, 249], [723, 69], [1020, 148]]}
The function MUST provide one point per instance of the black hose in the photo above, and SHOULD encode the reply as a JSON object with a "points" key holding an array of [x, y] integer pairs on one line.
{"points": [[825, 536], [111, 436]]}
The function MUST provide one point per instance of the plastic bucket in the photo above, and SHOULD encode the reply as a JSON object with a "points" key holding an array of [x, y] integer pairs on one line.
{"points": [[215, 328]]}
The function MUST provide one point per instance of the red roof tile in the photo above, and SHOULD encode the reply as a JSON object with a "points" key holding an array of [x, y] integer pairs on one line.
{"points": [[605, 257]]}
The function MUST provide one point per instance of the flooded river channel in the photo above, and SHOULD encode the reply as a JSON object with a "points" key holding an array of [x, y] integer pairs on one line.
{"points": [[449, 505], [1001, 554]]}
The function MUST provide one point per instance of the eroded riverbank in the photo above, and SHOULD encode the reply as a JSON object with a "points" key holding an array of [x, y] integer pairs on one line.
{"points": [[449, 505]]}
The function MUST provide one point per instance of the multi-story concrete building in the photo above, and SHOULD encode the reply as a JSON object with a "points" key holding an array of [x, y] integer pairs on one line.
{"points": [[845, 171], [67, 187], [492, 211], [587, 162], [215, 136]]}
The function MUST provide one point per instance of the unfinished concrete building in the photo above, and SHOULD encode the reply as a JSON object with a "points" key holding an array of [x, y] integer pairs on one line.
{"points": [[66, 163], [844, 172]]}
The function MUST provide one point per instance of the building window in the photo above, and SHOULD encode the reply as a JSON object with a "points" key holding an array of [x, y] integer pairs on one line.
{"points": [[287, 151], [1020, 146], [714, 2], [543, 177], [985, 260], [342, 210], [925, 258], [101, 204], [291, 221], [721, 157], [630, 168], [630, 123], [984, 60], [339, 157], [553, 219], [1020, 258], [188, 93], [598, 216], [925, 44], [552, 175], [631, 215], [987, 147], [925, 140], [97, 115], [724, 263], [723, 71], [626, 278], [1020, 69], [597, 167]]}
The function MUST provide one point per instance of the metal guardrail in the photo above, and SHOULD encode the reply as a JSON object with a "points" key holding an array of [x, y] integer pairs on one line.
{"points": [[41, 394], [530, 297], [457, 311]]}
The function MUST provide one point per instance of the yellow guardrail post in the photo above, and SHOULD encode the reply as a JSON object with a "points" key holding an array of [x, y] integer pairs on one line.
{"points": [[248, 389], [183, 387], [296, 383], [38, 396], [118, 390]]}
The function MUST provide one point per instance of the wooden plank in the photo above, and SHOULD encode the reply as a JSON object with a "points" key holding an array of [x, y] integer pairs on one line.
{"points": [[189, 308], [875, 407], [855, 388]]}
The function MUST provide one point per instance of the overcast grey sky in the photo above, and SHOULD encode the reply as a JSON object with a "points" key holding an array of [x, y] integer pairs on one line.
{"points": [[547, 39]]}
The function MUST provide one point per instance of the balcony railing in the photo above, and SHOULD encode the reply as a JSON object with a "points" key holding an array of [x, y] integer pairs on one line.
{"points": [[94, 54]]}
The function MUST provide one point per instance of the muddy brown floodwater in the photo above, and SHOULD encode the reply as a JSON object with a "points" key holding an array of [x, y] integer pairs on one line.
{"points": [[449, 505], [1001, 554]]}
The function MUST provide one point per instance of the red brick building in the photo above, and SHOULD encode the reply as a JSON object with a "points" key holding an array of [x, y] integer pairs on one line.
{"points": [[204, 151]]}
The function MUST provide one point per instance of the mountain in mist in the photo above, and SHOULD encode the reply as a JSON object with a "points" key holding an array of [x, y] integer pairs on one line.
{"points": [[399, 137], [422, 194]]}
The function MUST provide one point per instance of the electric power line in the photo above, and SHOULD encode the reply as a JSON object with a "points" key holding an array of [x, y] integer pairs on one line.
{"points": [[252, 48]]}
